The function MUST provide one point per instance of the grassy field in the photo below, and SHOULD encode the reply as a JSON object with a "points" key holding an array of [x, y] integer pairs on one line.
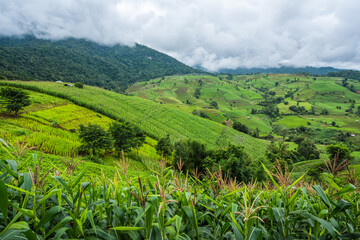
{"points": [[155, 119]]}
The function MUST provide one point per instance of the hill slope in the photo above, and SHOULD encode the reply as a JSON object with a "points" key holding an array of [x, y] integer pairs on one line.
{"points": [[50, 125], [78, 60], [155, 119], [329, 106]]}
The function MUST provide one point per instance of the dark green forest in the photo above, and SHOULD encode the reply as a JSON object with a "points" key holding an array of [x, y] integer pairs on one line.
{"points": [[78, 60], [351, 74]]}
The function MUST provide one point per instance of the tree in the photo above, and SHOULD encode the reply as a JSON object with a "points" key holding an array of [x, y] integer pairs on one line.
{"points": [[307, 150], [214, 104], [270, 110], [240, 127], [79, 85], [94, 139], [164, 147], [280, 152], [192, 154], [139, 138], [14, 99], [344, 152], [124, 135], [197, 93], [235, 162]]}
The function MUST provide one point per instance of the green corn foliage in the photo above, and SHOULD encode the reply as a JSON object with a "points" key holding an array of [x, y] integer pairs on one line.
{"points": [[43, 204]]}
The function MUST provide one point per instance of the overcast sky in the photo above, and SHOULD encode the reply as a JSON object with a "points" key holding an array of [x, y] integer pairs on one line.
{"points": [[211, 33]]}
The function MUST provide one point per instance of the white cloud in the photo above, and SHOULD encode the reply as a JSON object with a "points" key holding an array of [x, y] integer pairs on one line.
{"points": [[211, 33]]}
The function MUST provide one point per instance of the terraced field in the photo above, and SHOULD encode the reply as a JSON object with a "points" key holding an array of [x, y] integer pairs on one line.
{"points": [[155, 119], [236, 97], [50, 124]]}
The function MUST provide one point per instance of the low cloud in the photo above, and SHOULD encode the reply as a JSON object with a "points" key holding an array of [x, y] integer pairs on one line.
{"points": [[211, 33]]}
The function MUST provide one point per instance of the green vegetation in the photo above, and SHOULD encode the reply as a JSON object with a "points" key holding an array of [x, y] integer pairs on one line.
{"points": [[269, 106], [94, 139], [74, 60], [126, 136], [164, 147], [38, 204], [222, 188], [154, 119], [51, 125], [14, 99], [350, 74]]}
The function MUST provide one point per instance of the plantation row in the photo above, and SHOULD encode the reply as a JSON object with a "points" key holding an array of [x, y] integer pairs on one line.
{"points": [[45, 137], [56, 204]]}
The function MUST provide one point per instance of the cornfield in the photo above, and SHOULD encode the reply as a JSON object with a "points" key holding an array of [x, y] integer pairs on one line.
{"points": [[55, 203]]}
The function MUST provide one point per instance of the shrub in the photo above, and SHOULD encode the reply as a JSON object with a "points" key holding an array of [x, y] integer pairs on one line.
{"points": [[79, 85]]}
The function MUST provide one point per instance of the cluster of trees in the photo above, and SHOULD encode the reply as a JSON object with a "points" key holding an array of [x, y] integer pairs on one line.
{"points": [[123, 136], [271, 110], [214, 104], [240, 127], [306, 150], [346, 74], [195, 157], [75, 60], [298, 109], [14, 99], [197, 93], [269, 104], [200, 113]]}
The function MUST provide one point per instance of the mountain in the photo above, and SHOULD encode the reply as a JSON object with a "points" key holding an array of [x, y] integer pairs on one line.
{"points": [[282, 69], [79, 60]]}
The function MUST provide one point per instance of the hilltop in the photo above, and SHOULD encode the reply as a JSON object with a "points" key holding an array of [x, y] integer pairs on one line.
{"points": [[80, 60]]}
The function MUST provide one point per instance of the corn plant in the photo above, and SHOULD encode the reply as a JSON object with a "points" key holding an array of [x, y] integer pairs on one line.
{"points": [[45, 203]]}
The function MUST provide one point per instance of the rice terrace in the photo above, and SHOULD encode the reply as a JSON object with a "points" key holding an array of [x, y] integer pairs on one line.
{"points": [[221, 134]]}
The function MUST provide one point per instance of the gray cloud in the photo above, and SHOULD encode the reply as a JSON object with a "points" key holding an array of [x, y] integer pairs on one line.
{"points": [[211, 33]]}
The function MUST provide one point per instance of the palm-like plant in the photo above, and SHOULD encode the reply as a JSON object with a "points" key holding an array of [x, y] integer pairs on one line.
{"points": [[334, 167], [71, 164]]}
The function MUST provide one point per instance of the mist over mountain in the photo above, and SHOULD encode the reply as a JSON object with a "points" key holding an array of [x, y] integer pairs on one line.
{"points": [[78, 60]]}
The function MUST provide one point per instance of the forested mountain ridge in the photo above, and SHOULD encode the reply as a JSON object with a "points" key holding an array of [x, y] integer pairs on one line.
{"points": [[78, 60], [346, 74], [318, 71]]}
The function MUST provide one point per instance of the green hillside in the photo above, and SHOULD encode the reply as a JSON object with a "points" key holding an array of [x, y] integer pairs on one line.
{"points": [[302, 101], [50, 126], [155, 119], [77, 60]]}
